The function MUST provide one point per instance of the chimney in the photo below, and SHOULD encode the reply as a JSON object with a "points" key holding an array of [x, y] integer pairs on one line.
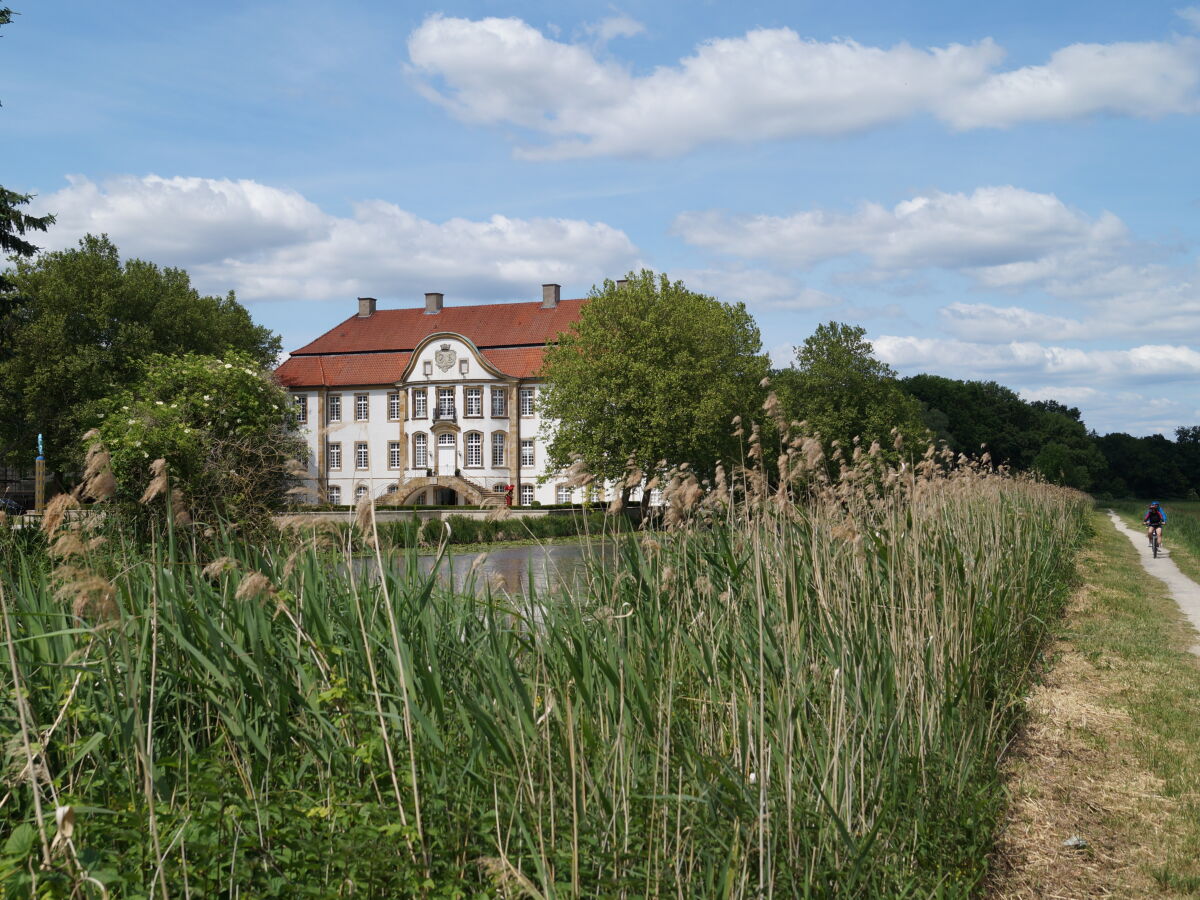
{"points": [[366, 307], [622, 283], [550, 295], [433, 304]]}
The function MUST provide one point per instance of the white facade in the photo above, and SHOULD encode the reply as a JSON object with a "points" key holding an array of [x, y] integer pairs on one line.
{"points": [[451, 414]]}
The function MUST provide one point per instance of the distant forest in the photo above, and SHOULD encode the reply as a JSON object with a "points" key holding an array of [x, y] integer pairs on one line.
{"points": [[1051, 438]]}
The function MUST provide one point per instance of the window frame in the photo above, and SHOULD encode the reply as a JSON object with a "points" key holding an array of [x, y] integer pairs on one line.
{"points": [[499, 442], [333, 409], [562, 494], [469, 393], [362, 450], [420, 450], [523, 394], [500, 399], [332, 449], [526, 491], [360, 491], [476, 438], [332, 492], [301, 407], [393, 406], [446, 410], [527, 444], [420, 399], [362, 407], [393, 453]]}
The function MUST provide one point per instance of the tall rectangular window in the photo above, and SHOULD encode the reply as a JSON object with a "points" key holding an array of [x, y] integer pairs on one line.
{"points": [[499, 403], [420, 401], [526, 494], [526, 451], [334, 407], [393, 454], [562, 494], [362, 407], [301, 401], [335, 495], [393, 403], [334, 455], [498, 448], [525, 401], [361, 459], [474, 448], [473, 401], [446, 402], [420, 451]]}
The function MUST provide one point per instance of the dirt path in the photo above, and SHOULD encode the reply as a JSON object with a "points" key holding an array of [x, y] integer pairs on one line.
{"points": [[1185, 591]]}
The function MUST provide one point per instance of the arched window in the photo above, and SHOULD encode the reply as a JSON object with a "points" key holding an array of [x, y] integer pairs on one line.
{"points": [[498, 439], [391, 488], [335, 495], [360, 492], [420, 450], [474, 449]]}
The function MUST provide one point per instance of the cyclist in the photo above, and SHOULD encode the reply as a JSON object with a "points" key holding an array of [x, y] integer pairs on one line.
{"points": [[1154, 520]]}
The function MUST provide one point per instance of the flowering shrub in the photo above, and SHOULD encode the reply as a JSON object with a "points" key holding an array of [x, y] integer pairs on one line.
{"points": [[222, 424]]}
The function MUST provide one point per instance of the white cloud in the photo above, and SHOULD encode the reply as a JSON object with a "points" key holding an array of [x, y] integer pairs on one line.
{"points": [[614, 27], [993, 324], [1191, 15], [1024, 359], [757, 288], [773, 83], [990, 228], [271, 243], [1134, 79]]}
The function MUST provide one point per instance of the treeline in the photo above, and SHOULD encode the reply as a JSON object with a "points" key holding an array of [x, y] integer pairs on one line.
{"points": [[1051, 438]]}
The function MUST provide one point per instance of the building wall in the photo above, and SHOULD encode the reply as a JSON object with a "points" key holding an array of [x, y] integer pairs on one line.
{"points": [[443, 363]]}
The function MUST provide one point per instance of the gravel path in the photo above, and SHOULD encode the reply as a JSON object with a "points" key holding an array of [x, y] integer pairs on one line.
{"points": [[1185, 591]]}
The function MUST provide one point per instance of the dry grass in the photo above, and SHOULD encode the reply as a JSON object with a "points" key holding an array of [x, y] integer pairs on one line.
{"points": [[1081, 765]]}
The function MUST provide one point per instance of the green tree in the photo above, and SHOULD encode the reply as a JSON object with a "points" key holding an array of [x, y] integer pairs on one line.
{"points": [[81, 330], [838, 386], [652, 371], [14, 224], [223, 424]]}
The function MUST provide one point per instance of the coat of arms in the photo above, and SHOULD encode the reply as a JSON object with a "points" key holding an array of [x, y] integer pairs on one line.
{"points": [[444, 358]]}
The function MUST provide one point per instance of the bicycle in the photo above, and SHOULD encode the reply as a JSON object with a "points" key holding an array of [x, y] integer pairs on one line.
{"points": [[1154, 543]]}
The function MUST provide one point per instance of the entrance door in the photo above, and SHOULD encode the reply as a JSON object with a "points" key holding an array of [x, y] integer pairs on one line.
{"points": [[446, 454]]}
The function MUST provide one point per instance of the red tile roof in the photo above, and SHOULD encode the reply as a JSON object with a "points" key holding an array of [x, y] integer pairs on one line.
{"points": [[375, 349]]}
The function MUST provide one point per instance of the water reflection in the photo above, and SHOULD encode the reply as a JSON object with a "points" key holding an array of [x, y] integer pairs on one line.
{"points": [[529, 570]]}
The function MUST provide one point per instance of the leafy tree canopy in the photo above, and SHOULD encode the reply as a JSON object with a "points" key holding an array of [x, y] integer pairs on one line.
{"points": [[223, 424], [81, 329], [838, 386], [652, 371]]}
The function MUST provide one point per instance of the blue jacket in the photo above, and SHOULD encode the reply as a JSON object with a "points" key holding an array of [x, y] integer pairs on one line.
{"points": [[1162, 512]]}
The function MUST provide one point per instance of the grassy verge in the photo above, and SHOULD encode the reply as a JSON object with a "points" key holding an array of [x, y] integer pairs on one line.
{"points": [[1111, 751]]}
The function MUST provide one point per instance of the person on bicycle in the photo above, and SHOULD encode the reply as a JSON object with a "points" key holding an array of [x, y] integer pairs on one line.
{"points": [[1154, 520]]}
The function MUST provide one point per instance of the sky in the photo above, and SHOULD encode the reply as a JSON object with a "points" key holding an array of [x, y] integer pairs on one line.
{"points": [[1002, 192]]}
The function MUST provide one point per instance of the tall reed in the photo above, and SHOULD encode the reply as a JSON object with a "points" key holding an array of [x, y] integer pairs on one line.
{"points": [[794, 692]]}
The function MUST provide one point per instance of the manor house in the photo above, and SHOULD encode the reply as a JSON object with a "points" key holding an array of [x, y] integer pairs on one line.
{"points": [[433, 405]]}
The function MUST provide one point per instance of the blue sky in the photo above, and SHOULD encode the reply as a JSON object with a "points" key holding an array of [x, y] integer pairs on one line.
{"points": [[996, 191]]}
